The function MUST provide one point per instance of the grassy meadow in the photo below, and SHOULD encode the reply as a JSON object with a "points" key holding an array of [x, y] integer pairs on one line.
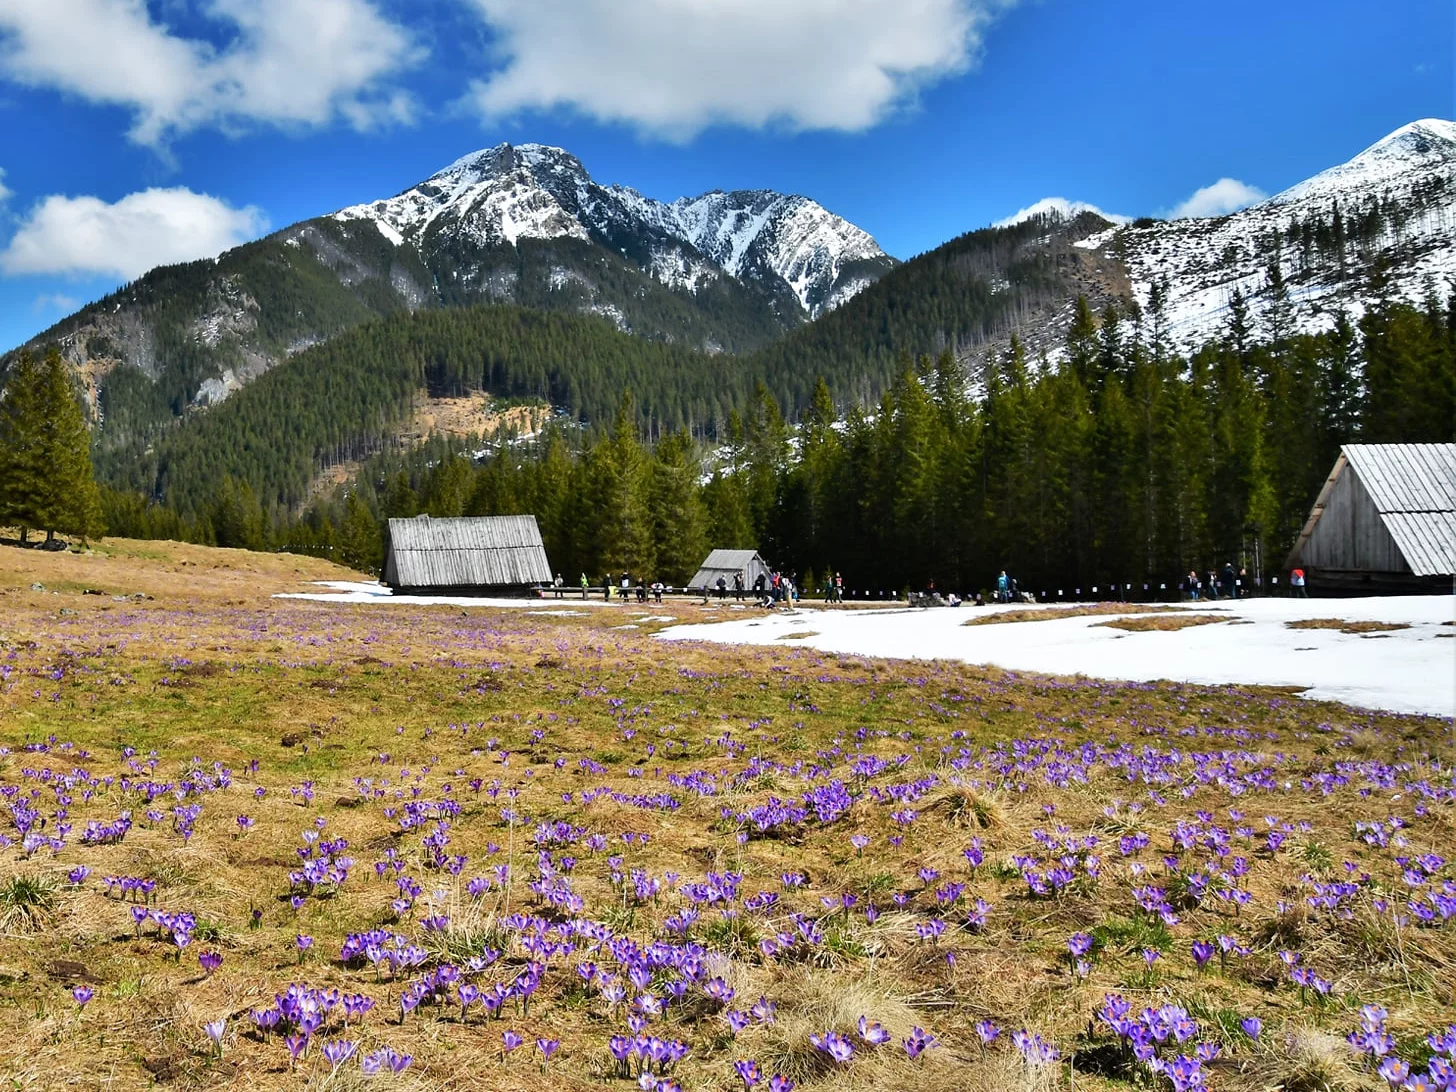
{"points": [[256, 843]]}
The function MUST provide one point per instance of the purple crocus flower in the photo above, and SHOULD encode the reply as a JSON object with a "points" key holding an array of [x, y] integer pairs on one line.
{"points": [[214, 1030], [779, 1083], [1252, 1025], [209, 961], [918, 1042], [510, 1040], [872, 1033], [748, 1072], [1202, 952], [81, 995], [339, 1051]]}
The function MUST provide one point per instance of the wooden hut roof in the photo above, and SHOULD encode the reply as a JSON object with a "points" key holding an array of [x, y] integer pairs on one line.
{"points": [[1413, 488], [479, 551], [727, 562]]}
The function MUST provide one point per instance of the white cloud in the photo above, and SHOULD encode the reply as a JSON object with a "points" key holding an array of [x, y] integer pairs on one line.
{"points": [[674, 67], [1224, 196], [285, 62], [85, 235], [5, 191], [1062, 207], [56, 301]]}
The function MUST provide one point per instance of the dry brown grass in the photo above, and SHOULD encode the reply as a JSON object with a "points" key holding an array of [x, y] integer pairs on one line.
{"points": [[430, 685], [1344, 626], [1051, 614], [1162, 623]]}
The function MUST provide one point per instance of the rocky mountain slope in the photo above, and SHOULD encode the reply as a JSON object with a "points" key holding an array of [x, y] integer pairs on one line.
{"points": [[724, 272]]}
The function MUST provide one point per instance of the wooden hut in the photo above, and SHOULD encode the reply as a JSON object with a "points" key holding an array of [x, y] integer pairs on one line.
{"points": [[1385, 521], [479, 555], [728, 564]]}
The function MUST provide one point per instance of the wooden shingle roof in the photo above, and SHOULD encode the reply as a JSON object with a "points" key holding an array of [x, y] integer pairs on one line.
{"points": [[477, 551]]}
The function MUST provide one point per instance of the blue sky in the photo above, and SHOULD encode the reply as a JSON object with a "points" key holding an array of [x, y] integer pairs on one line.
{"points": [[141, 131]]}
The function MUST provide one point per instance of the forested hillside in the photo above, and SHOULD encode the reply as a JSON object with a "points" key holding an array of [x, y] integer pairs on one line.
{"points": [[346, 398], [1120, 463]]}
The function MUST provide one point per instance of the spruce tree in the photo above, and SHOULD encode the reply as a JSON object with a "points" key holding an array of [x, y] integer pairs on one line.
{"points": [[46, 482]]}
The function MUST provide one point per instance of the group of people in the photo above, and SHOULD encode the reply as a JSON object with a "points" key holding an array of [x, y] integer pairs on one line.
{"points": [[769, 589], [1007, 590], [1225, 584], [625, 587]]}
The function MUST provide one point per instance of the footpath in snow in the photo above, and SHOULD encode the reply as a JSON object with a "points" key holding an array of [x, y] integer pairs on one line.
{"points": [[1410, 670]]}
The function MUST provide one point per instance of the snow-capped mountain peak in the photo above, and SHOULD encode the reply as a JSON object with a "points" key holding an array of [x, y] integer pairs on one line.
{"points": [[1421, 146], [501, 195]]}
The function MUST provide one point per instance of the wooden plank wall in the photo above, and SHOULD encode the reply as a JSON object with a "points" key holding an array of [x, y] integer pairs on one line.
{"points": [[1350, 534]]}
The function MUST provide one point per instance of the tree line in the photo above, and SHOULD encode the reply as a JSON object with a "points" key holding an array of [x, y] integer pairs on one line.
{"points": [[1119, 461]]}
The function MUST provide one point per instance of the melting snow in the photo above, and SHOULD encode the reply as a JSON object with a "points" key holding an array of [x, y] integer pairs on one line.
{"points": [[1410, 670]]}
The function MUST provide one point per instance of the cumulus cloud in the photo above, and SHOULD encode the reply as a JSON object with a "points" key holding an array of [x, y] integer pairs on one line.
{"points": [[1223, 197], [85, 235], [283, 62], [674, 67], [1061, 207], [5, 191]]}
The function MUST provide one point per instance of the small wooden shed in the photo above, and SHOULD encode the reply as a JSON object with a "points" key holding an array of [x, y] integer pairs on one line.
{"points": [[476, 555], [1385, 521], [728, 564]]}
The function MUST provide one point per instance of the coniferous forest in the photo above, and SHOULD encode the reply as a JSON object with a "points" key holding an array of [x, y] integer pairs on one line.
{"points": [[1120, 462]]}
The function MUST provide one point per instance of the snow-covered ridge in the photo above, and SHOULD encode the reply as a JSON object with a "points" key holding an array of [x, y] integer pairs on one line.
{"points": [[1396, 200], [533, 191]]}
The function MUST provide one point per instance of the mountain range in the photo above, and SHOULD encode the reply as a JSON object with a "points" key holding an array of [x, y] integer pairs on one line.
{"points": [[777, 284]]}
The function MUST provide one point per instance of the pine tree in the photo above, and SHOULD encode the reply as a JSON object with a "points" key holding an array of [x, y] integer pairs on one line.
{"points": [[46, 482], [678, 521], [361, 539]]}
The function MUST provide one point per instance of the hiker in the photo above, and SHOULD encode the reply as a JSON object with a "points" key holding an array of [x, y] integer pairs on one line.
{"points": [[980, 600], [1212, 585], [738, 586], [1192, 586], [607, 588], [584, 586], [1296, 581], [722, 587], [1230, 588], [626, 588], [1003, 587], [657, 591], [641, 591], [838, 588], [759, 584], [557, 584]]}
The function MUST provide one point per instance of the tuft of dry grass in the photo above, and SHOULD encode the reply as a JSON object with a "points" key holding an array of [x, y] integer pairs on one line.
{"points": [[797, 635], [1051, 614], [1312, 1060], [1162, 623], [817, 1002], [1344, 626], [962, 806]]}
